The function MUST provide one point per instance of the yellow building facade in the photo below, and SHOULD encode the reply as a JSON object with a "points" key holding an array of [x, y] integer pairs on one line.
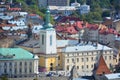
{"points": [[49, 62]]}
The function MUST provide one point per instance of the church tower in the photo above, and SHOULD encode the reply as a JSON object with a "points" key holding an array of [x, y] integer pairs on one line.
{"points": [[48, 37], [48, 53]]}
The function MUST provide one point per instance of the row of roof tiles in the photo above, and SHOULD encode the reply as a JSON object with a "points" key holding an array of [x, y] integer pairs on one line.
{"points": [[14, 9], [73, 28]]}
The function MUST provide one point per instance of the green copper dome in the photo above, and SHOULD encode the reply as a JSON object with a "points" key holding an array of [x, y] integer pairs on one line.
{"points": [[47, 20]]}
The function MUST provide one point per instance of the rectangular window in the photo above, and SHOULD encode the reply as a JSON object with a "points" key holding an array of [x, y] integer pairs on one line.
{"points": [[15, 64], [86, 59], [20, 63], [91, 58], [15, 71], [87, 67], [110, 57], [67, 67], [77, 67], [77, 59], [82, 67], [105, 57], [30, 63], [10, 70], [67, 60], [30, 70], [58, 57], [20, 70], [73, 60], [50, 40], [25, 70], [42, 39], [82, 59], [5, 70], [25, 63], [92, 66], [5, 65]]}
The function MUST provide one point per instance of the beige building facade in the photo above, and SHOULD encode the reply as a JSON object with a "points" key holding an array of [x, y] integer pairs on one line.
{"points": [[84, 57]]}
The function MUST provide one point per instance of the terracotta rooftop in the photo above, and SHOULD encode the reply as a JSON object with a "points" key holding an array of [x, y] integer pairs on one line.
{"points": [[32, 14], [106, 31], [14, 9], [79, 24], [92, 26], [102, 67], [1, 31], [71, 30], [66, 29], [3, 25]]}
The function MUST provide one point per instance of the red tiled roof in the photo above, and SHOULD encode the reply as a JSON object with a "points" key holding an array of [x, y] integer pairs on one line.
{"points": [[71, 30], [66, 29], [79, 24], [108, 31], [32, 14], [14, 9], [103, 31], [92, 26], [1, 31], [112, 31], [60, 28], [102, 67], [3, 25]]}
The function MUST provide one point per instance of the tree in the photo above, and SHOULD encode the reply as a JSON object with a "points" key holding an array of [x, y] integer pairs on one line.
{"points": [[74, 14], [4, 78], [106, 13], [35, 79]]}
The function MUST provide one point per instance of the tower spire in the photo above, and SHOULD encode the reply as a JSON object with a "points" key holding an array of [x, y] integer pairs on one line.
{"points": [[75, 1], [47, 19], [47, 16]]}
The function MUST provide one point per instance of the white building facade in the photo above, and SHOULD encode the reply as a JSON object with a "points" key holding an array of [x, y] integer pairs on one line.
{"points": [[17, 63], [84, 9]]}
